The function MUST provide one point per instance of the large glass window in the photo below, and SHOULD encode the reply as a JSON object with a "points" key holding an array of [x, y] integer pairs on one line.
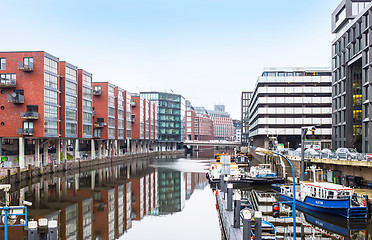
{"points": [[87, 80], [111, 112], [87, 117], [87, 93], [70, 128], [71, 87], [51, 127], [111, 122], [50, 81], [70, 101], [51, 112], [70, 115], [71, 73], [50, 65], [87, 105], [50, 96], [87, 130]]}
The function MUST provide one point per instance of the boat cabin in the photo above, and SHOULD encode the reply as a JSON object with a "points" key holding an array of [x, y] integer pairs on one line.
{"points": [[325, 190]]}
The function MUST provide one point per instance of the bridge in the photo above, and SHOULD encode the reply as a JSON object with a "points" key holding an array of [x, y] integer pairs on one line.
{"points": [[213, 143]]}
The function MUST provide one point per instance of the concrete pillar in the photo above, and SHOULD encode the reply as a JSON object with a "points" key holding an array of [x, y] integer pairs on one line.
{"points": [[237, 204], [64, 150], [129, 150], [93, 179], [45, 154], [247, 217], [37, 152], [116, 148], [92, 149], [58, 151], [258, 226], [99, 149], [21, 151], [76, 149]]}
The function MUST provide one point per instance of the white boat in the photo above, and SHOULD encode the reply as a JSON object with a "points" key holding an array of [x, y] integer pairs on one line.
{"points": [[262, 170]]}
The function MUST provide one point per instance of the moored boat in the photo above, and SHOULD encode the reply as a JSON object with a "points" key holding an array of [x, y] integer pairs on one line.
{"points": [[327, 198]]}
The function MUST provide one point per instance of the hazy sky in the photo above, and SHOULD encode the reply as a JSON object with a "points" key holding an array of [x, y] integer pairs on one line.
{"points": [[207, 50]]}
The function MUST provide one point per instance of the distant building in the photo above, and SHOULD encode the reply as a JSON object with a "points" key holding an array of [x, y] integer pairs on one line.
{"points": [[238, 127], [199, 126], [286, 99], [245, 99], [351, 75], [223, 128]]}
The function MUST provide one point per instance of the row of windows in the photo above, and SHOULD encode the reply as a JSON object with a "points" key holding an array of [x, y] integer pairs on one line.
{"points": [[2, 63], [291, 74], [51, 112], [87, 105], [87, 117], [87, 80], [51, 65], [51, 127], [50, 81], [71, 87], [71, 73], [70, 101], [87, 93], [70, 115], [50, 96], [8, 76]]}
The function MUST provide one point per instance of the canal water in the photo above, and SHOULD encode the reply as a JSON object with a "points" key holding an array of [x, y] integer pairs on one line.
{"points": [[163, 198]]}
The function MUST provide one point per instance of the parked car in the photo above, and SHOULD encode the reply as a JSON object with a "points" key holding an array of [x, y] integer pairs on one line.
{"points": [[312, 153], [368, 157], [327, 153], [348, 153]]}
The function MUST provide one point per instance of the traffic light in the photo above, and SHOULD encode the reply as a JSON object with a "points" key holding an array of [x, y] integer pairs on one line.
{"points": [[276, 210]]}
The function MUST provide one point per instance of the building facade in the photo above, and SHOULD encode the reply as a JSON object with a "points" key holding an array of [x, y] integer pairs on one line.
{"points": [[351, 74], [171, 115], [237, 128], [245, 99], [286, 99], [223, 127]]}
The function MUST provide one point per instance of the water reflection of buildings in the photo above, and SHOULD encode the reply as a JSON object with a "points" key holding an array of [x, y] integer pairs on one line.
{"points": [[102, 203]]}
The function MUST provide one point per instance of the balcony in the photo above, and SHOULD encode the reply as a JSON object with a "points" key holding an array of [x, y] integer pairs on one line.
{"points": [[25, 131], [7, 83], [30, 115], [99, 124], [16, 98], [97, 92], [29, 67]]}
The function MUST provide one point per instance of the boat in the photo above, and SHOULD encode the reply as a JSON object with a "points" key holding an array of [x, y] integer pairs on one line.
{"points": [[327, 198], [217, 156], [260, 175], [215, 171]]}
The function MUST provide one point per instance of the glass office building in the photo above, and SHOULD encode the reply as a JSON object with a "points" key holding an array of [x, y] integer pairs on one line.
{"points": [[171, 115]]}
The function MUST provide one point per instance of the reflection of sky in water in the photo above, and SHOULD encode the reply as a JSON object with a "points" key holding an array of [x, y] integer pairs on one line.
{"points": [[198, 220], [183, 164]]}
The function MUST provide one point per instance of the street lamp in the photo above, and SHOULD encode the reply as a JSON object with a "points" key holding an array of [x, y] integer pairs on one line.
{"points": [[269, 152]]}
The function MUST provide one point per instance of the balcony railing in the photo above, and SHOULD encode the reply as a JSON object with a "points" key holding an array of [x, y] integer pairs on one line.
{"points": [[16, 98], [26, 131], [30, 115], [97, 92], [25, 67], [99, 124], [7, 83]]}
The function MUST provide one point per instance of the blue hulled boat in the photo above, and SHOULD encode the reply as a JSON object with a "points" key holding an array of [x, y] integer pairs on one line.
{"points": [[327, 198]]}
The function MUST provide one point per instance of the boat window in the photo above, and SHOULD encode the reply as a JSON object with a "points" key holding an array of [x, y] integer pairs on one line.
{"points": [[330, 195]]}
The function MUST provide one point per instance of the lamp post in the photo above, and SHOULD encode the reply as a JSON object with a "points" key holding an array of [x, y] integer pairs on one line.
{"points": [[269, 152]]}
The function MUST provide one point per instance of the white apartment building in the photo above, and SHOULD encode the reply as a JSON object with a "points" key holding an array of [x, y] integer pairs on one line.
{"points": [[286, 99]]}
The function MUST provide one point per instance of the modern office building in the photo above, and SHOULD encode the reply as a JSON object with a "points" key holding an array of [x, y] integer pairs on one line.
{"points": [[237, 130], [351, 97], [171, 115], [286, 99], [245, 99]]}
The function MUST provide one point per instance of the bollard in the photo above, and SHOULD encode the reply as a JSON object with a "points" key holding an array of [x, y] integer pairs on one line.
{"points": [[29, 171], [32, 230], [9, 175], [222, 182], [237, 204], [258, 226], [52, 230], [247, 218], [229, 196], [226, 179]]}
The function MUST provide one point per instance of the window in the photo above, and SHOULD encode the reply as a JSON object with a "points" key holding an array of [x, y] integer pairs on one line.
{"points": [[51, 127], [71, 74], [51, 112], [87, 129], [50, 81], [71, 87], [70, 115], [87, 117], [50, 96], [2, 63], [70, 101], [71, 128], [28, 62], [87, 80], [87, 93], [87, 105], [50, 65]]}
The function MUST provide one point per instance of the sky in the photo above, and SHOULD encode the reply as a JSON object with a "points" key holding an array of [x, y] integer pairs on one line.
{"points": [[209, 51]]}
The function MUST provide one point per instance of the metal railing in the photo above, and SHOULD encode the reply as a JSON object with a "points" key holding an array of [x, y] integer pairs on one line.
{"points": [[99, 124], [25, 67], [7, 82], [16, 99], [30, 115], [25, 131], [97, 92]]}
